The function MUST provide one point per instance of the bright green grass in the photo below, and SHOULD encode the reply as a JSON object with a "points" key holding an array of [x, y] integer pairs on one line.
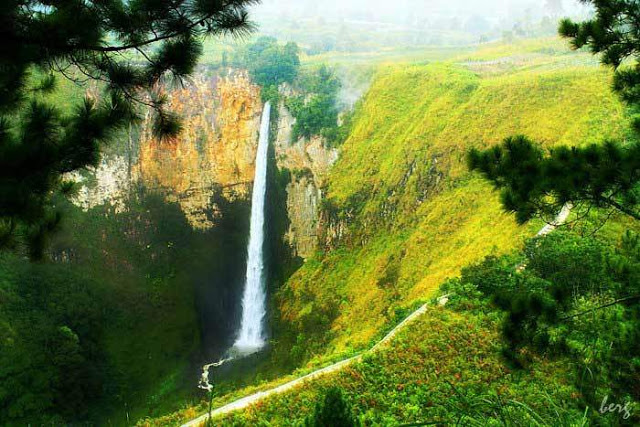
{"points": [[402, 187], [425, 375]]}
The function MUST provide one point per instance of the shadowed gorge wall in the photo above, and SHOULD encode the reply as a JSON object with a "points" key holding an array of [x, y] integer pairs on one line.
{"points": [[158, 239], [168, 222], [120, 300]]}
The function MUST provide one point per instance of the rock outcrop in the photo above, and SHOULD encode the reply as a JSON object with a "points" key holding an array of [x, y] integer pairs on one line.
{"points": [[309, 162], [215, 154], [216, 148], [108, 183]]}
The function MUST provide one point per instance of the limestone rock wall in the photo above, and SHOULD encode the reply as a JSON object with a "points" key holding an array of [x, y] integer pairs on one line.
{"points": [[309, 162], [215, 153], [216, 148], [108, 183]]}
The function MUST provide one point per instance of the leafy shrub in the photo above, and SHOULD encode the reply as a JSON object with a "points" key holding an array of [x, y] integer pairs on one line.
{"points": [[316, 110], [333, 410], [270, 63], [576, 298]]}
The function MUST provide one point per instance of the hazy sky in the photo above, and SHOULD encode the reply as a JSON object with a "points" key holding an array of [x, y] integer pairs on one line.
{"points": [[401, 10]]}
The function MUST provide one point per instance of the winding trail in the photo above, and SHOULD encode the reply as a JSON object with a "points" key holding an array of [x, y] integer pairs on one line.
{"points": [[256, 397], [246, 401], [557, 222]]}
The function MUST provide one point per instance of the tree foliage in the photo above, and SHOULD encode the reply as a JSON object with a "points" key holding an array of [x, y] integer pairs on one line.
{"points": [[606, 176], [50, 325], [533, 183], [111, 326], [333, 410], [269, 63], [569, 296], [613, 34], [316, 110], [125, 46]]}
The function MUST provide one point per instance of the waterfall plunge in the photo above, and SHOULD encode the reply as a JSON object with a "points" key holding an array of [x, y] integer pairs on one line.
{"points": [[251, 337]]}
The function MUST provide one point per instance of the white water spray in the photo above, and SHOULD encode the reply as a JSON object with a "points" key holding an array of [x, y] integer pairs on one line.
{"points": [[251, 337]]}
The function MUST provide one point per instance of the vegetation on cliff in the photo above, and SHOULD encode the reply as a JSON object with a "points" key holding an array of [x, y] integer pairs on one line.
{"points": [[310, 95], [566, 298], [603, 176], [403, 214], [316, 109], [415, 215]]}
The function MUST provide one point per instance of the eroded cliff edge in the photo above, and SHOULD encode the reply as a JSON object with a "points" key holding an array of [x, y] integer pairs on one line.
{"points": [[215, 157]]}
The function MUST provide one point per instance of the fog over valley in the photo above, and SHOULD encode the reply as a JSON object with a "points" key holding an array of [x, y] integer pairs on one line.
{"points": [[464, 15]]}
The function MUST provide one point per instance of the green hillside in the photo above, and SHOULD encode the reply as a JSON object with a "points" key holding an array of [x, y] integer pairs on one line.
{"points": [[447, 367], [417, 380], [410, 213], [402, 215]]}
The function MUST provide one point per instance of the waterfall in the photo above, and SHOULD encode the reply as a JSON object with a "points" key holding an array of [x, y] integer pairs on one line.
{"points": [[251, 337]]}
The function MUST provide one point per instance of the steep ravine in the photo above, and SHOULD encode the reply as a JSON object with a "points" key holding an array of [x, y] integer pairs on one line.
{"points": [[214, 154], [208, 173]]}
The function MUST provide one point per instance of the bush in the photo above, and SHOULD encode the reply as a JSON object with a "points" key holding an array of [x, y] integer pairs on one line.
{"points": [[576, 298], [270, 63], [316, 111], [333, 410]]}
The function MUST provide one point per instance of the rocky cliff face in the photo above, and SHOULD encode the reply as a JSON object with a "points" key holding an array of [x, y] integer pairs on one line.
{"points": [[215, 154], [108, 183], [309, 162], [215, 150]]}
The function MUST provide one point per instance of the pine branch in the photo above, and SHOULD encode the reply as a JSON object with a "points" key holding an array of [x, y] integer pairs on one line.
{"points": [[612, 303], [621, 208]]}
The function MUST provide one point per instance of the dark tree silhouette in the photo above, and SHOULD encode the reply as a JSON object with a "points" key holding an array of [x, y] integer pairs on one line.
{"points": [[333, 410], [127, 46], [535, 183]]}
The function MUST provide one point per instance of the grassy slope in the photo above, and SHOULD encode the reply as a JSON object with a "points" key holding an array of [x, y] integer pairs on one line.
{"points": [[408, 381], [431, 371], [408, 144], [416, 216]]}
